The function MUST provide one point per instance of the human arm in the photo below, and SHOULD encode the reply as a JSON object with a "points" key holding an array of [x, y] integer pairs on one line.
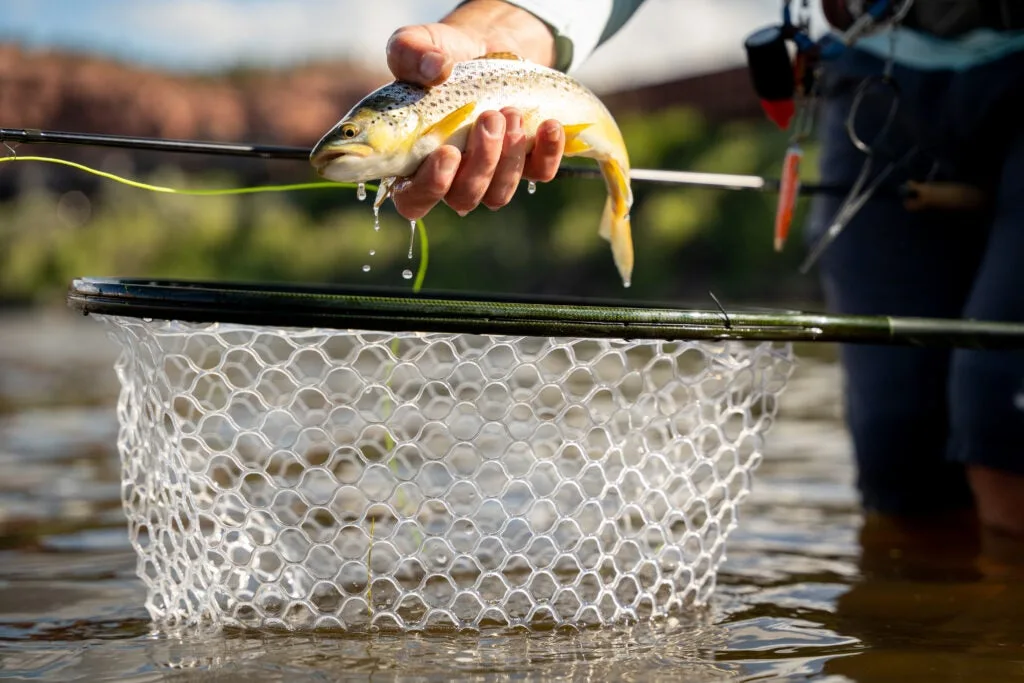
{"points": [[556, 34]]}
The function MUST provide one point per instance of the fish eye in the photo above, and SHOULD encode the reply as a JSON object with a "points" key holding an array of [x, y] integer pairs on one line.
{"points": [[349, 130]]}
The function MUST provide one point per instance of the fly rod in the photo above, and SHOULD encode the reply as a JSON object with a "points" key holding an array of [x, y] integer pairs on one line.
{"points": [[722, 181], [917, 195]]}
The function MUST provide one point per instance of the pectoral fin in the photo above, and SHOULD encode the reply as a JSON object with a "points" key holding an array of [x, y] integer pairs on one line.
{"points": [[447, 126], [574, 144], [615, 226]]}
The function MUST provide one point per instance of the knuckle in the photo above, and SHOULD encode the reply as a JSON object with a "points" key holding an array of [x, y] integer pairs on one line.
{"points": [[502, 189], [436, 186], [464, 198], [547, 173], [411, 210], [541, 170], [399, 38], [496, 198]]}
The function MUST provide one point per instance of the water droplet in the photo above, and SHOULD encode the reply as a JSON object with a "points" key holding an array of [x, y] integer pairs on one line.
{"points": [[412, 236], [366, 268], [626, 283], [531, 187], [361, 191], [373, 252], [407, 274], [376, 218]]}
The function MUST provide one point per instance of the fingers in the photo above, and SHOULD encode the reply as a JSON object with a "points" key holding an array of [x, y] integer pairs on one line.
{"points": [[425, 54], [484, 148], [488, 172], [429, 185], [414, 56], [509, 169], [548, 148]]}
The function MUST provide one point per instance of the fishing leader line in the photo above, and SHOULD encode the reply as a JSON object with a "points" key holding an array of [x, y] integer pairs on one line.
{"points": [[421, 228]]}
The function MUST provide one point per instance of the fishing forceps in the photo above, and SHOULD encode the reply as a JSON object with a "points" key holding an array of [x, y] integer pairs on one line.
{"points": [[862, 191]]}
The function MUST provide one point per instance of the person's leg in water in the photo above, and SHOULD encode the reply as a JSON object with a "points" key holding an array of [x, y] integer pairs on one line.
{"points": [[987, 387], [890, 261]]}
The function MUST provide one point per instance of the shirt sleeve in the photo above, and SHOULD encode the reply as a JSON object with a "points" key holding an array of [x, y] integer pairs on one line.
{"points": [[580, 26]]}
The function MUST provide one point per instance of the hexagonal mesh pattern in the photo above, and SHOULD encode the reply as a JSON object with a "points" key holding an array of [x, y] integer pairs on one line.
{"points": [[308, 478]]}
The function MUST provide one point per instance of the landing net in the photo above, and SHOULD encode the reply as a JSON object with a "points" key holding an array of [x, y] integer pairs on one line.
{"points": [[308, 458]]}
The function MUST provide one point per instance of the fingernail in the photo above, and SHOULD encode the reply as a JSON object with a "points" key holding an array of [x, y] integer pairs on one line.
{"points": [[431, 65], [552, 133], [492, 125], [515, 122]]}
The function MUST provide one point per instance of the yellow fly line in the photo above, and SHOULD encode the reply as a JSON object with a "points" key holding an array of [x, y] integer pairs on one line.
{"points": [[421, 272]]}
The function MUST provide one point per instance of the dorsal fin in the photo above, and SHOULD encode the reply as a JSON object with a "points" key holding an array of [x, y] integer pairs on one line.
{"points": [[502, 55]]}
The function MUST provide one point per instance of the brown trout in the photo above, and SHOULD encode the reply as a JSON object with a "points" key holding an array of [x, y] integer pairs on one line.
{"points": [[392, 130]]}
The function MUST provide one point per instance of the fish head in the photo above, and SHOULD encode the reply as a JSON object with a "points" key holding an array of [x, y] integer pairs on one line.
{"points": [[373, 140]]}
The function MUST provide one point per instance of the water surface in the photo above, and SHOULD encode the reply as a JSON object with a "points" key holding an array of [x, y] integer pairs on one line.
{"points": [[808, 590]]}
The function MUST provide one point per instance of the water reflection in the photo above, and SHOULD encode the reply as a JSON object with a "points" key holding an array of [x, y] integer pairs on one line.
{"points": [[809, 588]]}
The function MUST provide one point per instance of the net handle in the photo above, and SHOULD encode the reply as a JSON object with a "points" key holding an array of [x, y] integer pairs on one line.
{"points": [[308, 306]]}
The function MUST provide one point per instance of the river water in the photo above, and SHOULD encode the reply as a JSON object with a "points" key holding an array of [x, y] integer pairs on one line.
{"points": [[809, 589]]}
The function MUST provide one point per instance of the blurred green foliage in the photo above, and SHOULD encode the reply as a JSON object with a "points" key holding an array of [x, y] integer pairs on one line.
{"points": [[688, 240]]}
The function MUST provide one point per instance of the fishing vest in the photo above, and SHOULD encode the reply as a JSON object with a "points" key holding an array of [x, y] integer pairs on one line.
{"points": [[942, 18]]}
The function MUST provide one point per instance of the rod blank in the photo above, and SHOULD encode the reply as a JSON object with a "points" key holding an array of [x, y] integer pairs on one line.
{"points": [[721, 181], [55, 137]]}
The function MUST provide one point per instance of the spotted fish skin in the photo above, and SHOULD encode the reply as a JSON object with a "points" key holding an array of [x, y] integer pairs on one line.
{"points": [[392, 130]]}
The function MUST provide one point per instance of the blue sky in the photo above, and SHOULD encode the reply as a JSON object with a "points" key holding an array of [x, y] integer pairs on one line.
{"points": [[666, 38]]}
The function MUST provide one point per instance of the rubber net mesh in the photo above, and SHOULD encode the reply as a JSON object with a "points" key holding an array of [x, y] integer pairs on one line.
{"points": [[309, 478]]}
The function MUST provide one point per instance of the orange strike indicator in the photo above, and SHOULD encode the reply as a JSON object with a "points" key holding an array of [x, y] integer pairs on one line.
{"points": [[789, 190]]}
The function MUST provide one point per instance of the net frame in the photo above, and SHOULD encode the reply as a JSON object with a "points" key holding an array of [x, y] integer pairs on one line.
{"points": [[305, 305], [577, 552]]}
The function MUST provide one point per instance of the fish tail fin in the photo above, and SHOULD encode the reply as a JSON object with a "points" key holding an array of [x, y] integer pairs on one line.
{"points": [[615, 225]]}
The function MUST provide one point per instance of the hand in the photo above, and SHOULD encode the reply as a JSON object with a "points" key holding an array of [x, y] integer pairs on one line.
{"points": [[498, 153]]}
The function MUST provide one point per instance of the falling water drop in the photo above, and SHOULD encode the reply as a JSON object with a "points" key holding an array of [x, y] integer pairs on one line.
{"points": [[361, 191], [366, 268], [412, 236], [531, 187], [407, 274], [376, 218], [373, 252]]}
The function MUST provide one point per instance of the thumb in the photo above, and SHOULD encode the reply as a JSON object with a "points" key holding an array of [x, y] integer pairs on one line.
{"points": [[425, 53]]}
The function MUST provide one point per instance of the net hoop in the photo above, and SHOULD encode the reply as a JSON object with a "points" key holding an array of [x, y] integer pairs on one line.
{"points": [[385, 309]]}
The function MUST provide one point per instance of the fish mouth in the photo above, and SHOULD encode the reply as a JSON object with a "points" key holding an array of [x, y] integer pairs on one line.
{"points": [[324, 157]]}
